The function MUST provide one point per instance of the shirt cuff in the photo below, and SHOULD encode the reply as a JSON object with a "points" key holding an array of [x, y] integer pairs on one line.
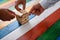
{"points": [[44, 4]]}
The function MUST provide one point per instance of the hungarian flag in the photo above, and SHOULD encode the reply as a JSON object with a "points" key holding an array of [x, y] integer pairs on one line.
{"points": [[43, 27]]}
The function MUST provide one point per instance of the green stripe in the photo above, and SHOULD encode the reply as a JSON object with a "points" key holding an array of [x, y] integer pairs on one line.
{"points": [[3, 1], [52, 33]]}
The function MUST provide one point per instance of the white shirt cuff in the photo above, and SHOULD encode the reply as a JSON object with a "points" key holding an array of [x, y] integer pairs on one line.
{"points": [[46, 3], [43, 4]]}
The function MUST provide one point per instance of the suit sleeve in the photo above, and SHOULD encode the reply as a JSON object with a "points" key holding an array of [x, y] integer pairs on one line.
{"points": [[47, 3]]}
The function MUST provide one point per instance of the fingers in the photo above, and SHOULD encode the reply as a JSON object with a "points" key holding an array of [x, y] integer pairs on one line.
{"points": [[32, 10], [37, 12], [16, 6], [11, 12], [37, 9], [7, 18], [6, 15], [24, 4]]}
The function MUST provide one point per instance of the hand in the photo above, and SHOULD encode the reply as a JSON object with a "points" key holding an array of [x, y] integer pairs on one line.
{"points": [[37, 9], [6, 15], [23, 2]]}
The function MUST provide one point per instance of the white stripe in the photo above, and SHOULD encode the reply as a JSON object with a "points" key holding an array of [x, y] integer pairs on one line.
{"points": [[28, 26], [7, 4]]}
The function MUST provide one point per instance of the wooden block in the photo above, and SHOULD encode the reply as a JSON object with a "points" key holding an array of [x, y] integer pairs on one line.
{"points": [[5, 23], [22, 17], [25, 21]]}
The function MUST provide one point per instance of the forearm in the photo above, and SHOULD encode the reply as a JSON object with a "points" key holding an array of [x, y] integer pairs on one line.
{"points": [[47, 3]]}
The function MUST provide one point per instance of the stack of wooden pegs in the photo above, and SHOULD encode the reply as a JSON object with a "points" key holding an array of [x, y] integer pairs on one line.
{"points": [[22, 17]]}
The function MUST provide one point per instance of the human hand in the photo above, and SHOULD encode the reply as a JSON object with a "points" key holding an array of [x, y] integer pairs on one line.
{"points": [[23, 2], [37, 9], [6, 15]]}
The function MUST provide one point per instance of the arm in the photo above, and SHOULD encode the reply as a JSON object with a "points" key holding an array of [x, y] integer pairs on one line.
{"points": [[47, 3], [42, 5]]}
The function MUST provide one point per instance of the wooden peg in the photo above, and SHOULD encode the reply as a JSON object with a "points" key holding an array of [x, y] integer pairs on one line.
{"points": [[22, 17]]}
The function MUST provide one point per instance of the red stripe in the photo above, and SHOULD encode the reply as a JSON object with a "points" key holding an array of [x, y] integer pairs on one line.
{"points": [[41, 27]]}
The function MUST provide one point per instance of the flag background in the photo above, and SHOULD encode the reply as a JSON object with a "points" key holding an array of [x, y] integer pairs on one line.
{"points": [[18, 33]]}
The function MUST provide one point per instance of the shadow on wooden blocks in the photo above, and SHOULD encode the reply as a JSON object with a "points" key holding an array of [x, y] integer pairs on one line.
{"points": [[22, 17]]}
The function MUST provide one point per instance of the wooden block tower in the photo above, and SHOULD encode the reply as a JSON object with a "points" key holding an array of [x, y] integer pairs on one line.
{"points": [[22, 17]]}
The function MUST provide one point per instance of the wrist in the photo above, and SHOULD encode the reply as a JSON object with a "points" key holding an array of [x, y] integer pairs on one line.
{"points": [[41, 6], [41, 9]]}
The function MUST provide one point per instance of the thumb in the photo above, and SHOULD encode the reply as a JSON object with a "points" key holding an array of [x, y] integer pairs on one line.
{"points": [[24, 5]]}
